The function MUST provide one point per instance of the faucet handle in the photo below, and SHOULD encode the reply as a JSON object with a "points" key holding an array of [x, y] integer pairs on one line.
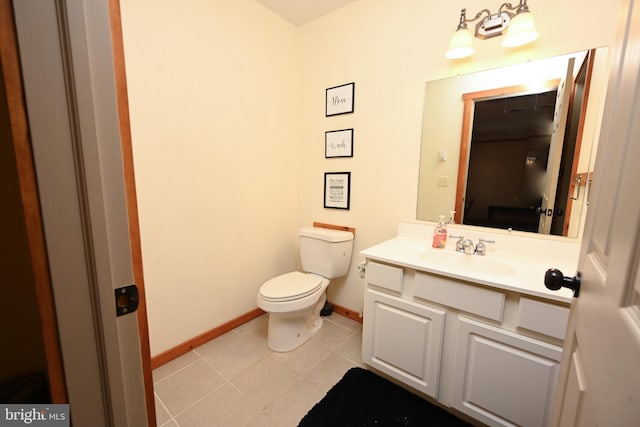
{"points": [[481, 248], [459, 243], [467, 246]]}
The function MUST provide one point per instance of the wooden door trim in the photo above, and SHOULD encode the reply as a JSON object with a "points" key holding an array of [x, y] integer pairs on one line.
{"points": [[590, 59], [132, 201], [19, 127]]}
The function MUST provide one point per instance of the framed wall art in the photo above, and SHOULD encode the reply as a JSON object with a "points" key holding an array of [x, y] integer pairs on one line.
{"points": [[338, 143], [339, 99], [337, 190]]}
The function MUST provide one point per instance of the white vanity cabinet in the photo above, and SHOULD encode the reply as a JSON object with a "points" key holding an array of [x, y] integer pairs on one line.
{"points": [[502, 378], [404, 340], [490, 353]]}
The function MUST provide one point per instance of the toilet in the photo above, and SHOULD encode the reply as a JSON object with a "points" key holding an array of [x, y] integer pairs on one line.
{"points": [[294, 300]]}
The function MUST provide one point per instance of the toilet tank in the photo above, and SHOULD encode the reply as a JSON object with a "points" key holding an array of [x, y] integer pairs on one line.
{"points": [[325, 252]]}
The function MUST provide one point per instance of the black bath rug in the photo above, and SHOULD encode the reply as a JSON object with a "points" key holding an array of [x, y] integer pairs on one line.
{"points": [[362, 398]]}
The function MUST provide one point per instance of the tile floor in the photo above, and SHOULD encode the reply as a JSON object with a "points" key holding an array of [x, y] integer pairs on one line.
{"points": [[235, 380]]}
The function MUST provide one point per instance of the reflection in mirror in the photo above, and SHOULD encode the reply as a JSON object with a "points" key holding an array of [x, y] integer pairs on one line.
{"points": [[511, 147]]}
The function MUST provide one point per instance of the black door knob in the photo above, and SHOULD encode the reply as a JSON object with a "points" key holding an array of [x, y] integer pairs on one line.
{"points": [[554, 280]]}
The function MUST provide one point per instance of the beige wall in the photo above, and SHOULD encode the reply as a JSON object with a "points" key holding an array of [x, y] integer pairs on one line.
{"points": [[390, 48], [227, 112], [213, 90]]}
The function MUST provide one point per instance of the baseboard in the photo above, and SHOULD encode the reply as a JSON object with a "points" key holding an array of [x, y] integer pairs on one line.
{"points": [[194, 342], [346, 312], [187, 346]]}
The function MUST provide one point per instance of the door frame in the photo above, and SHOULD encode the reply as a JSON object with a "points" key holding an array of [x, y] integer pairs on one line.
{"points": [[122, 96], [76, 122]]}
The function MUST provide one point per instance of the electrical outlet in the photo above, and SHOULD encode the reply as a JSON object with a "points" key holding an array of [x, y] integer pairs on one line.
{"points": [[443, 181]]}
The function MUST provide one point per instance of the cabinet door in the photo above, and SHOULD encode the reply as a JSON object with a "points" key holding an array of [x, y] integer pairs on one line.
{"points": [[403, 339], [502, 378]]}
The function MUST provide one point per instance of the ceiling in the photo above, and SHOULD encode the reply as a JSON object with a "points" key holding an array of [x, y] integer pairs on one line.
{"points": [[299, 12]]}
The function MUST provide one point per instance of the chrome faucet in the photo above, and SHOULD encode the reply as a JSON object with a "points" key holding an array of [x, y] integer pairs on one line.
{"points": [[459, 243], [467, 246], [481, 248], [464, 245]]}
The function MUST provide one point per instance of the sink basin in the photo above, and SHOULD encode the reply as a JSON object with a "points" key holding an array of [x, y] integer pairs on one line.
{"points": [[466, 263]]}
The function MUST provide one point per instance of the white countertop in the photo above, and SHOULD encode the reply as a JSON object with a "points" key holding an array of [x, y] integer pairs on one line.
{"points": [[512, 263]]}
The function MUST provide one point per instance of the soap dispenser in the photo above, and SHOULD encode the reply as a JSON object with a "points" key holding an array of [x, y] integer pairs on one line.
{"points": [[440, 234]]}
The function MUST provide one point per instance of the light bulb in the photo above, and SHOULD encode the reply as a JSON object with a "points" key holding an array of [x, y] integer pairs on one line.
{"points": [[522, 30], [460, 45]]}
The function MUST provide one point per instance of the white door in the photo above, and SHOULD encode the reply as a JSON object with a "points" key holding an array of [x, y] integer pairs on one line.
{"points": [[599, 382], [555, 150], [67, 68]]}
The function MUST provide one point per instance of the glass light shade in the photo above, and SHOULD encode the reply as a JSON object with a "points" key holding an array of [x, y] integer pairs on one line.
{"points": [[460, 45], [522, 30]]}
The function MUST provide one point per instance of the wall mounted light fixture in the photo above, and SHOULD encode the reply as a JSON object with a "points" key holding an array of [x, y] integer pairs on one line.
{"points": [[516, 22]]}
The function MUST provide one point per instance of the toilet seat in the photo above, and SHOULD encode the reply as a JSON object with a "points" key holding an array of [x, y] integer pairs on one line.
{"points": [[290, 286]]}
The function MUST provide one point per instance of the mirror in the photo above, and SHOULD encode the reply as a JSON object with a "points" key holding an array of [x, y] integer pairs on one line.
{"points": [[511, 147]]}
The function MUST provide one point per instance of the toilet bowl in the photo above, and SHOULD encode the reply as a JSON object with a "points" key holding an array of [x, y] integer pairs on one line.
{"points": [[294, 300]]}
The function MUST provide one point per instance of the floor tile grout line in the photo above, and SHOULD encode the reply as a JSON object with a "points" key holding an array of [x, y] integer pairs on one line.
{"points": [[197, 401], [283, 392], [166, 409], [359, 362], [195, 349], [316, 364], [240, 336], [179, 370], [339, 325], [172, 420], [228, 380], [344, 326], [248, 336], [330, 348]]}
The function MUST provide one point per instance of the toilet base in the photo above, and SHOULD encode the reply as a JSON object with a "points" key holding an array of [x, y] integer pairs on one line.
{"points": [[327, 309], [288, 331]]}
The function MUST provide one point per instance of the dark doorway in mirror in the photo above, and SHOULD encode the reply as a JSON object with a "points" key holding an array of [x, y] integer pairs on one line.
{"points": [[523, 153], [508, 155]]}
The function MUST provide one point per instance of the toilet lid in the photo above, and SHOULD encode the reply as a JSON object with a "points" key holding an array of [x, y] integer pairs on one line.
{"points": [[290, 286]]}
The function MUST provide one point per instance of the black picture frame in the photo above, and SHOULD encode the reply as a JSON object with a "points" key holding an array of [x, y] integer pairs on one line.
{"points": [[337, 190], [339, 99], [338, 143]]}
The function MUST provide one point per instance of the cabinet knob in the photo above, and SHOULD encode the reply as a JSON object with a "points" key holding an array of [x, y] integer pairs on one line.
{"points": [[554, 280]]}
